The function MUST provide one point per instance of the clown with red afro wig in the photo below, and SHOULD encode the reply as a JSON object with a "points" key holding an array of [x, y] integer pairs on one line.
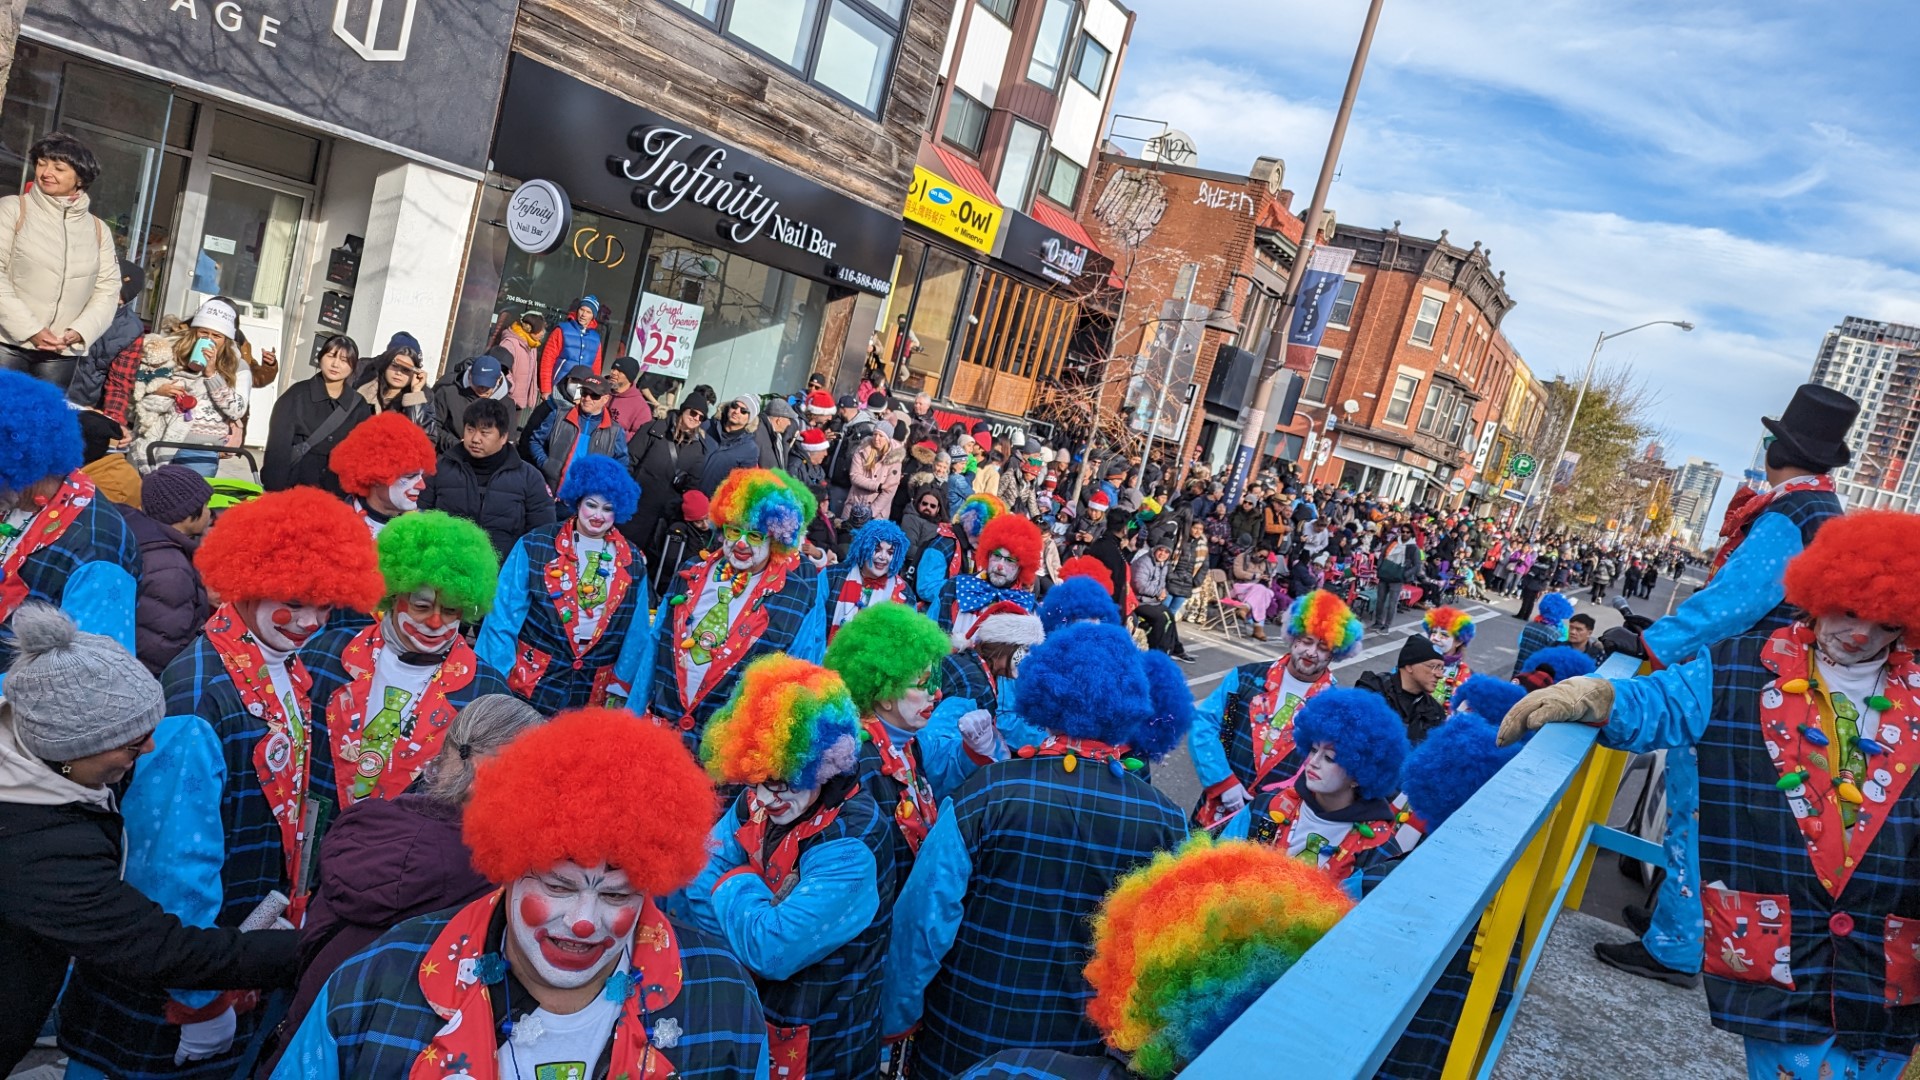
{"points": [[383, 463], [1007, 557], [295, 546]]}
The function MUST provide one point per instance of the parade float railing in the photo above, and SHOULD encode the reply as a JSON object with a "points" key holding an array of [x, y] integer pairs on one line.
{"points": [[1499, 872]]}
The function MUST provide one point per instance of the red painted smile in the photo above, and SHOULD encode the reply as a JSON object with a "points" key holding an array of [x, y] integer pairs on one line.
{"points": [[568, 955]]}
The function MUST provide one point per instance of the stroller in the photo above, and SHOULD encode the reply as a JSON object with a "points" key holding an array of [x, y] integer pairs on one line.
{"points": [[228, 491]]}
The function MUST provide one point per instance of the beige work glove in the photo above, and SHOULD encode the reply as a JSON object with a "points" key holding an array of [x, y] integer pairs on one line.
{"points": [[1584, 700]]}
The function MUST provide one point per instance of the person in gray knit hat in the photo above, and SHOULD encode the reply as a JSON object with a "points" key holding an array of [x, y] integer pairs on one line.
{"points": [[79, 711]]}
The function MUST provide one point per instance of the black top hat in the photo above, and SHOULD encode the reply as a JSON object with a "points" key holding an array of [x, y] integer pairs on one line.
{"points": [[1814, 426]]}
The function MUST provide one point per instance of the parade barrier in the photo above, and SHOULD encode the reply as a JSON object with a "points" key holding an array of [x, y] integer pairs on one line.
{"points": [[1500, 870]]}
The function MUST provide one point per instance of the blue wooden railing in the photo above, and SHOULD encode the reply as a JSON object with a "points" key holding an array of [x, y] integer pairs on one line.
{"points": [[1506, 863]]}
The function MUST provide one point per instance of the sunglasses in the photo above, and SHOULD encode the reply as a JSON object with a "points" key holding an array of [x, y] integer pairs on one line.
{"points": [[594, 395]]}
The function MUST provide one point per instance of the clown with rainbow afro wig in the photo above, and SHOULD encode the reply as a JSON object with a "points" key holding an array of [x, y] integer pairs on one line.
{"points": [[1451, 631], [1243, 732], [756, 596], [1338, 812], [873, 572], [1006, 559], [948, 554], [412, 671], [1548, 627], [585, 826], [63, 543], [800, 882], [569, 626], [383, 465], [1078, 799]]}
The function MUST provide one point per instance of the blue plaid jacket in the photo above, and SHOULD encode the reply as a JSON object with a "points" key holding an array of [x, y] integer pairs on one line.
{"points": [[1046, 1065], [1024, 853], [796, 625], [103, 603], [1225, 718], [371, 1021]]}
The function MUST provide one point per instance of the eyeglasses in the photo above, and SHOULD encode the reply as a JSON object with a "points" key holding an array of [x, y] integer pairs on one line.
{"points": [[735, 532]]}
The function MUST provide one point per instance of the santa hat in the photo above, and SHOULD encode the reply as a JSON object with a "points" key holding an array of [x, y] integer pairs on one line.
{"points": [[435, 550], [378, 451], [1099, 503], [300, 545], [592, 786], [819, 403], [1002, 622], [813, 440], [788, 721], [1018, 537]]}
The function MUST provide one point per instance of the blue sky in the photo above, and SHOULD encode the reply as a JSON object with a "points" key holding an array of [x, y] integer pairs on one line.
{"points": [[1753, 167]]}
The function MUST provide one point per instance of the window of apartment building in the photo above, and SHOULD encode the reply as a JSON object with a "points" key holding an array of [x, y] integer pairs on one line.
{"points": [[1320, 379], [1062, 182], [1050, 45], [1001, 9], [1401, 403], [966, 125], [1090, 66], [1024, 145], [1428, 321], [1457, 432], [844, 47], [1343, 304], [1433, 414]]}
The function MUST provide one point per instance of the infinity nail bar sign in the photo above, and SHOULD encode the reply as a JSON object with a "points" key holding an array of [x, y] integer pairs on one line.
{"points": [[623, 160]]}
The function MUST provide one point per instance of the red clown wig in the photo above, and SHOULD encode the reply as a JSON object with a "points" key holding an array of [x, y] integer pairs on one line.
{"points": [[300, 545], [592, 786], [1019, 537], [1088, 567], [380, 450], [1866, 563]]}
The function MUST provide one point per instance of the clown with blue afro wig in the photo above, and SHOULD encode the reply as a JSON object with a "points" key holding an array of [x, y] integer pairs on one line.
{"points": [[874, 572], [39, 433], [599, 476], [1077, 600], [1338, 811], [1555, 664], [1548, 627], [1457, 758]]}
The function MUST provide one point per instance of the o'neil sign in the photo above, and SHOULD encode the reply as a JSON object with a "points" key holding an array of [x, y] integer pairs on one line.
{"points": [[537, 216]]}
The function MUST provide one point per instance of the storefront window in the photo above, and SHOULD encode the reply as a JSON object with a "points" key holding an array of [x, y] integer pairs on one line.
{"points": [[599, 258], [247, 247], [759, 326]]}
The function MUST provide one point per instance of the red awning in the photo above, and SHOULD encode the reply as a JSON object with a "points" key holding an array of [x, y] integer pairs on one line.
{"points": [[964, 173], [1064, 224]]}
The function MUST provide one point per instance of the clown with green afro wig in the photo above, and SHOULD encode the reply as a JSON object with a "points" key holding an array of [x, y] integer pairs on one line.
{"points": [[889, 656], [384, 695]]}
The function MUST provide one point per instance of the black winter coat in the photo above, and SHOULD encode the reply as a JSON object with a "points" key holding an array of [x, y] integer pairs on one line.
{"points": [[1187, 567], [1420, 711], [89, 383], [666, 470], [61, 898], [503, 494], [300, 412], [172, 603], [725, 453]]}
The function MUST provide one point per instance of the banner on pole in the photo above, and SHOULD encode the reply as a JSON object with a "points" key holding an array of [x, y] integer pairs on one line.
{"points": [[1326, 269]]}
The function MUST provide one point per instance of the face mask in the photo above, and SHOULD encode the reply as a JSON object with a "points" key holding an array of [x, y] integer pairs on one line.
{"points": [[572, 922]]}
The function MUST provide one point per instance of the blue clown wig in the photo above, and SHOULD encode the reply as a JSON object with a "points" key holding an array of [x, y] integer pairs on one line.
{"points": [[598, 474], [1487, 697], [1077, 599], [872, 535], [1368, 737], [1554, 610], [1565, 661], [1172, 708], [39, 433], [1085, 681], [1451, 764]]}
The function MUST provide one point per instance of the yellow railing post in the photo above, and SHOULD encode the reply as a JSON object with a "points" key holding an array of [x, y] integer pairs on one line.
{"points": [[1498, 929], [1607, 766]]}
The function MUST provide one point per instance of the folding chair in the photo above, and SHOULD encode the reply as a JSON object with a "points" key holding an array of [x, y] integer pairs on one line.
{"points": [[1221, 611]]}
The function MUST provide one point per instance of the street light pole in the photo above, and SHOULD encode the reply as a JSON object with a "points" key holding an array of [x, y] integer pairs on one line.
{"points": [[1553, 470], [1254, 434]]}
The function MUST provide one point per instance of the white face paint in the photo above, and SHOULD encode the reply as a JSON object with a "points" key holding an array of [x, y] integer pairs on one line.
{"points": [[784, 805], [882, 559], [424, 624], [914, 708], [1848, 640], [405, 492], [281, 626], [594, 517], [1442, 640], [1324, 775], [1308, 657], [747, 551], [572, 922], [1002, 569]]}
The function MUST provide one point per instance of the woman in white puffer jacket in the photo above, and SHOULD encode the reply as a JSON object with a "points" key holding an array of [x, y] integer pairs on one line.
{"points": [[59, 276]]}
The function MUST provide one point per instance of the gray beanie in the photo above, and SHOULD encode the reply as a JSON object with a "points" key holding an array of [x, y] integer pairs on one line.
{"points": [[73, 693]]}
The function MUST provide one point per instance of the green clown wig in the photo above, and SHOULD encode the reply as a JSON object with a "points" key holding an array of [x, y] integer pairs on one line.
{"points": [[1184, 944], [884, 651], [430, 549]]}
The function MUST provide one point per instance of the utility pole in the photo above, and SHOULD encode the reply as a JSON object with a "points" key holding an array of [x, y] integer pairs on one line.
{"points": [[1253, 437]]}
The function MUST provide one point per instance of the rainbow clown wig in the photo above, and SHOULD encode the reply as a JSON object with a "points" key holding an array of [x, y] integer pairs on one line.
{"points": [[1453, 621], [378, 451], [300, 545], [431, 549], [1186, 943], [872, 535], [1457, 758], [1369, 739], [1554, 610], [1866, 562], [1019, 538], [592, 786], [1085, 681], [766, 501], [975, 511], [884, 651], [1078, 599], [39, 433], [1324, 616], [788, 721], [598, 474]]}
